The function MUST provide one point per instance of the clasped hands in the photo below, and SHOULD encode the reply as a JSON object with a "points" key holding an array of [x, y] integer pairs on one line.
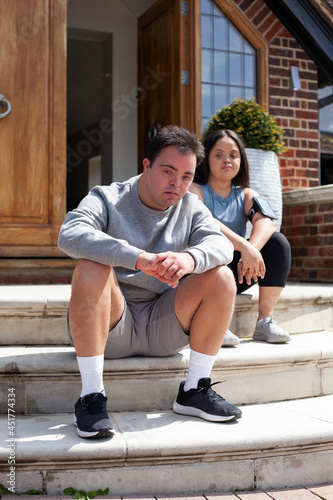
{"points": [[251, 265], [168, 267]]}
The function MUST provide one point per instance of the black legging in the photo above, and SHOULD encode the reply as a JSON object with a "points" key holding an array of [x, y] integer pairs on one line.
{"points": [[277, 257]]}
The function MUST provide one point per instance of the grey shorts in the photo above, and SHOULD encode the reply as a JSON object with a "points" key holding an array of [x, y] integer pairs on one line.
{"points": [[148, 328]]}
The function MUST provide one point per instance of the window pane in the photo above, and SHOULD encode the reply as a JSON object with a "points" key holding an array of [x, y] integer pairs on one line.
{"points": [[220, 33], [249, 93], [220, 97], [206, 7], [204, 122], [207, 100], [206, 31], [248, 49], [216, 10], [206, 66], [236, 93], [220, 67], [235, 68], [229, 61], [249, 71], [235, 40]]}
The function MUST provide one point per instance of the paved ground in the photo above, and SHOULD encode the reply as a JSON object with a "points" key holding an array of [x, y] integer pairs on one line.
{"points": [[324, 492]]}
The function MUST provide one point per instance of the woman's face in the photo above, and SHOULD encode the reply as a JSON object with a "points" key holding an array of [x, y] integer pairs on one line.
{"points": [[224, 159]]}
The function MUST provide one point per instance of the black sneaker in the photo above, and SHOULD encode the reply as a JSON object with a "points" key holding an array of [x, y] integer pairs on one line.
{"points": [[91, 417], [203, 402]]}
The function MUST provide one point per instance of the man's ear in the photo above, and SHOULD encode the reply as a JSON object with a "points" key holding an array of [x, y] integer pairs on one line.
{"points": [[146, 164]]}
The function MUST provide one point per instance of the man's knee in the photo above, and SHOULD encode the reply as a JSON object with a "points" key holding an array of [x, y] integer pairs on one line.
{"points": [[91, 274], [226, 280], [220, 280]]}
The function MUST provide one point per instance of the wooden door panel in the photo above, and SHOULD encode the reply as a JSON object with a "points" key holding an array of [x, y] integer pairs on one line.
{"points": [[33, 135], [159, 69]]}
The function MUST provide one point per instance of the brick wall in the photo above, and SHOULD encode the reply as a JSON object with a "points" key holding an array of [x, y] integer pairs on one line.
{"points": [[295, 111], [36, 271], [308, 225]]}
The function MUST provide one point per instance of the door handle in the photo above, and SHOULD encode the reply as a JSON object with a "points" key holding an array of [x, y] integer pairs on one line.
{"points": [[153, 130], [4, 103]]}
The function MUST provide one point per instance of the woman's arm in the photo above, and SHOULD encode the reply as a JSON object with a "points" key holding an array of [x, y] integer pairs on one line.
{"points": [[262, 227], [196, 189], [250, 256]]}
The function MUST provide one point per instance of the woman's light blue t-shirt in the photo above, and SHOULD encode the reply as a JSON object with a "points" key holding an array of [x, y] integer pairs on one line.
{"points": [[229, 211]]}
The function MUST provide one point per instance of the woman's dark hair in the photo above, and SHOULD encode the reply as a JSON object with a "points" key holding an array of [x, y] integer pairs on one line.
{"points": [[202, 172], [182, 139]]}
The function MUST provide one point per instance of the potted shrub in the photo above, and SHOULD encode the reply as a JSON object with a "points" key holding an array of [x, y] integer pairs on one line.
{"points": [[263, 141]]}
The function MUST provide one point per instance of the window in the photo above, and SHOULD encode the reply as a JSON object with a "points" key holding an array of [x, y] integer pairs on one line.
{"points": [[326, 134], [228, 62]]}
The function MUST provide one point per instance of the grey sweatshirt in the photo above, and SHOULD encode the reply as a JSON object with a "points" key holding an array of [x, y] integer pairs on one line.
{"points": [[111, 226]]}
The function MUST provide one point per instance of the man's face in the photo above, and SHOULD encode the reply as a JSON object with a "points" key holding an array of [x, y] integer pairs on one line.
{"points": [[167, 180]]}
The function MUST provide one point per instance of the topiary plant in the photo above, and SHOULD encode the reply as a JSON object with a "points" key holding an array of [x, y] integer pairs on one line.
{"points": [[248, 119]]}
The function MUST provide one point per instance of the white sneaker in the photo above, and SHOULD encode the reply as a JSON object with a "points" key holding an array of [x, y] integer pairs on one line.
{"points": [[230, 339], [268, 330]]}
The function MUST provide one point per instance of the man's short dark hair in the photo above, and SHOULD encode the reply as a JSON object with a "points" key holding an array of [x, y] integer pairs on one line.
{"points": [[182, 139]]}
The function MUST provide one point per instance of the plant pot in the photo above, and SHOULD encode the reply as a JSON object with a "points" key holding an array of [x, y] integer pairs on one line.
{"points": [[265, 180]]}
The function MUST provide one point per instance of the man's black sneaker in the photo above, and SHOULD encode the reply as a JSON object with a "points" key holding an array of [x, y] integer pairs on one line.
{"points": [[91, 417], [203, 402]]}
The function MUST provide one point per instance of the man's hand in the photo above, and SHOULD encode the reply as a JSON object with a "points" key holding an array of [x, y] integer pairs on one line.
{"points": [[168, 267]]}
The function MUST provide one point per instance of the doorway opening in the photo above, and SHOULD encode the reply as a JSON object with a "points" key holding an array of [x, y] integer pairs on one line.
{"points": [[89, 112]]}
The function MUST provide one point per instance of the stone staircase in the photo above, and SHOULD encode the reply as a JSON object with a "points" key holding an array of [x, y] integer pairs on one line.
{"points": [[284, 439]]}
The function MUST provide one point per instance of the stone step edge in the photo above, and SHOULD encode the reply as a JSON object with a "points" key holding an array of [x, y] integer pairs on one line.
{"points": [[36, 361], [144, 439], [52, 300]]}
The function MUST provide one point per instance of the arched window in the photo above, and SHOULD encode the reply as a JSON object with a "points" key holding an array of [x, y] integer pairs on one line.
{"points": [[228, 62]]}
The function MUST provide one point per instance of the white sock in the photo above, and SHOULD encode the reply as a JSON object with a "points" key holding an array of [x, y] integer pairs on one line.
{"points": [[91, 369], [200, 366]]}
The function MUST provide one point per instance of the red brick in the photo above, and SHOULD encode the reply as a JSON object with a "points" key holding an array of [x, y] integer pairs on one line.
{"points": [[328, 217], [303, 153], [312, 263], [245, 4], [325, 275], [301, 252], [328, 263], [325, 207], [313, 208], [36, 279], [306, 134], [258, 19], [298, 209], [299, 231], [313, 230], [312, 241], [11, 280], [328, 240], [314, 252], [325, 251], [254, 8], [326, 229], [273, 31], [62, 279], [313, 219], [295, 183], [298, 220], [307, 115]]}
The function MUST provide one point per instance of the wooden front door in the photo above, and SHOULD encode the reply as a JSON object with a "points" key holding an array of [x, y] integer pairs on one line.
{"points": [[33, 135], [168, 92]]}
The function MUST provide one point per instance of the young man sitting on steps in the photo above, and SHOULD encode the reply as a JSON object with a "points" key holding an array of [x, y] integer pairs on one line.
{"points": [[135, 241]]}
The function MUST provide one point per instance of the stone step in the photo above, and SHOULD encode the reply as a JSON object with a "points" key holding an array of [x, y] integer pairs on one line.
{"points": [[36, 314], [274, 445], [46, 378]]}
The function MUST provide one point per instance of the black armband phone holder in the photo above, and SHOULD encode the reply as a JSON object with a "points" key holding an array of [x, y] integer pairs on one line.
{"points": [[262, 206]]}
